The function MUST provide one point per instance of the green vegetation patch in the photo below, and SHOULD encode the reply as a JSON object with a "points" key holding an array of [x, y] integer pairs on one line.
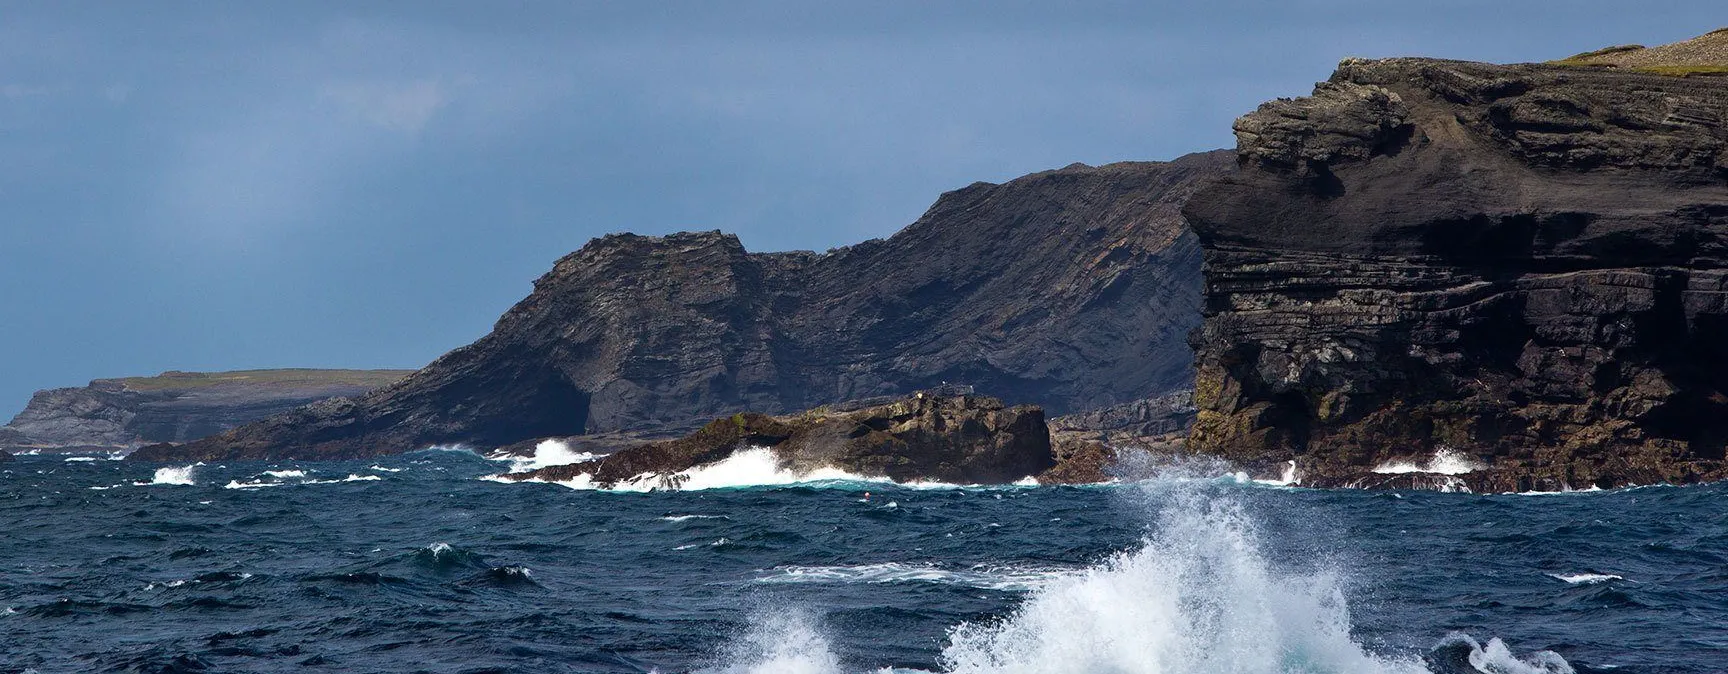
{"points": [[174, 379]]}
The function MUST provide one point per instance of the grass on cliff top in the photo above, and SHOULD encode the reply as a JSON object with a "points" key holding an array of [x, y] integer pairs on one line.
{"points": [[296, 376]]}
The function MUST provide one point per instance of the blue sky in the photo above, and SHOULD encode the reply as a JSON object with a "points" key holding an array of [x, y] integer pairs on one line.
{"points": [[274, 184]]}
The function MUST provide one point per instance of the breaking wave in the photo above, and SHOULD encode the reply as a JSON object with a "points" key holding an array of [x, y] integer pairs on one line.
{"points": [[753, 467], [1444, 462], [546, 454], [181, 475], [1198, 596]]}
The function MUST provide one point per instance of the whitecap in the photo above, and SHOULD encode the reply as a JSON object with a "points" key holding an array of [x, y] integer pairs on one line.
{"points": [[686, 518], [1444, 462], [546, 454], [1006, 578], [80, 459], [181, 475], [382, 469], [1585, 578]]}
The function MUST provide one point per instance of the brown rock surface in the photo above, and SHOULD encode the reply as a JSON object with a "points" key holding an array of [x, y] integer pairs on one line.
{"points": [[1072, 289], [962, 439], [1526, 264]]}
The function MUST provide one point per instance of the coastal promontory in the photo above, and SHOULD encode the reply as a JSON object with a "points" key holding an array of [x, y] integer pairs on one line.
{"points": [[1072, 289], [1521, 267]]}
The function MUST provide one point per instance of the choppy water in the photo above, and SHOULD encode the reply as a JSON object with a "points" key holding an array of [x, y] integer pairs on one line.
{"points": [[411, 564]]}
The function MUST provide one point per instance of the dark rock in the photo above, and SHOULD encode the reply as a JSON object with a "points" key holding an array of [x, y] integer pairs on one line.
{"points": [[121, 414], [5, 456], [1072, 289], [964, 439], [1527, 264]]}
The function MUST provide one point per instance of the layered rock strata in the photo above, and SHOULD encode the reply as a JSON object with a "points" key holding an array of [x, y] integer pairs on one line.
{"points": [[1524, 264], [1071, 289], [964, 439]]}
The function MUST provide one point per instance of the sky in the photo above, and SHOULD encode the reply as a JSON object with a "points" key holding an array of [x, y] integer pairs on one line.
{"points": [[221, 185]]}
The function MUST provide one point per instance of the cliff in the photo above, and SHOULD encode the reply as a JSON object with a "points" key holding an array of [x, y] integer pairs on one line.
{"points": [[1523, 265], [957, 439], [1071, 289], [121, 414]]}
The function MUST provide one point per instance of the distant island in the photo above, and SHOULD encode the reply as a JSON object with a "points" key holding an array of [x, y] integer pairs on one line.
{"points": [[127, 413]]}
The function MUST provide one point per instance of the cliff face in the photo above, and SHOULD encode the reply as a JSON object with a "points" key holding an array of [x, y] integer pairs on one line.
{"points": [[1525, 264], [1071, 289], [119, 414]]}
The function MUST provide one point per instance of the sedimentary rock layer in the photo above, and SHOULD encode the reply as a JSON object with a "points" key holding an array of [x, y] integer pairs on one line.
{"points": [[1072, 289], [1522, 263]]}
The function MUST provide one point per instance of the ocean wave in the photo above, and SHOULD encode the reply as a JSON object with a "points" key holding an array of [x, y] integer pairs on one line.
{"points": [[686, 518], [280, 482], [546, 454], [1585, 578], [181, 475], [1444, 462], [979, 576], [1198, 596]]}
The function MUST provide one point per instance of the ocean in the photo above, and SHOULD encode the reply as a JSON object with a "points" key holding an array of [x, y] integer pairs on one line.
{"points": [[415, 563]]}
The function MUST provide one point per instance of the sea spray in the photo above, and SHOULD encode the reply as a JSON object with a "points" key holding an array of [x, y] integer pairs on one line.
{"points": [[781, 641], [181, 475], [1197, 597]]}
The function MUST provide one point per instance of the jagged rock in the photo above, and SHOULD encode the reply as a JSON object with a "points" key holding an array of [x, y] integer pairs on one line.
{"points": [[122, 414], [1527, 264], [964, 439], [1072, 289], [5, 456]]}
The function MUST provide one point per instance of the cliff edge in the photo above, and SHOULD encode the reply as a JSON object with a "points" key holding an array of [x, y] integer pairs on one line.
{"points": [[1523, 268]]}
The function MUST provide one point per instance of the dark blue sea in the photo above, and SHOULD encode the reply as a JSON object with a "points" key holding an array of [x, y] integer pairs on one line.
{"points": [[415, 564]]}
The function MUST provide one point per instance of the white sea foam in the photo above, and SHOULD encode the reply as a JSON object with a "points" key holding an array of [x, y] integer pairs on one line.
{"points": [[181, 475], [382, 469], [546, 454], [1495, 657], [1198, 597], [686, 518], [1444, 462], [781, 642], [80, 459], [980, 576], [285, 473], [752, 467], [262, 484], [1585, 578]]}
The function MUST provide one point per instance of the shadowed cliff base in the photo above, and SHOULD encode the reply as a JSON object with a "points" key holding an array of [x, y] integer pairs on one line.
{"points": [[1523, 265]]}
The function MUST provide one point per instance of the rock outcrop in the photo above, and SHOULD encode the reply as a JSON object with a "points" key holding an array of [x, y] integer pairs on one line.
{"points": [[122, 414], [1525, 264], [963, 439], [1071, 289]]}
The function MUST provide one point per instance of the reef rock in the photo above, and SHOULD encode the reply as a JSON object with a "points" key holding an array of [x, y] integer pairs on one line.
{"points": [[1526, 265], [1071, 289], [122, 414], [959, 439]]}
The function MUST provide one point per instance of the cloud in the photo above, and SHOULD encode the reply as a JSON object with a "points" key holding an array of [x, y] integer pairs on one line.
{"points": [[404, 107]]}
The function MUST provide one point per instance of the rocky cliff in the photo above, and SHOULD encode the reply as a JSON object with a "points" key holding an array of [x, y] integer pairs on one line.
{"points": [[959, 439], [1524, 265], [1072, 289], [121, 414]]}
